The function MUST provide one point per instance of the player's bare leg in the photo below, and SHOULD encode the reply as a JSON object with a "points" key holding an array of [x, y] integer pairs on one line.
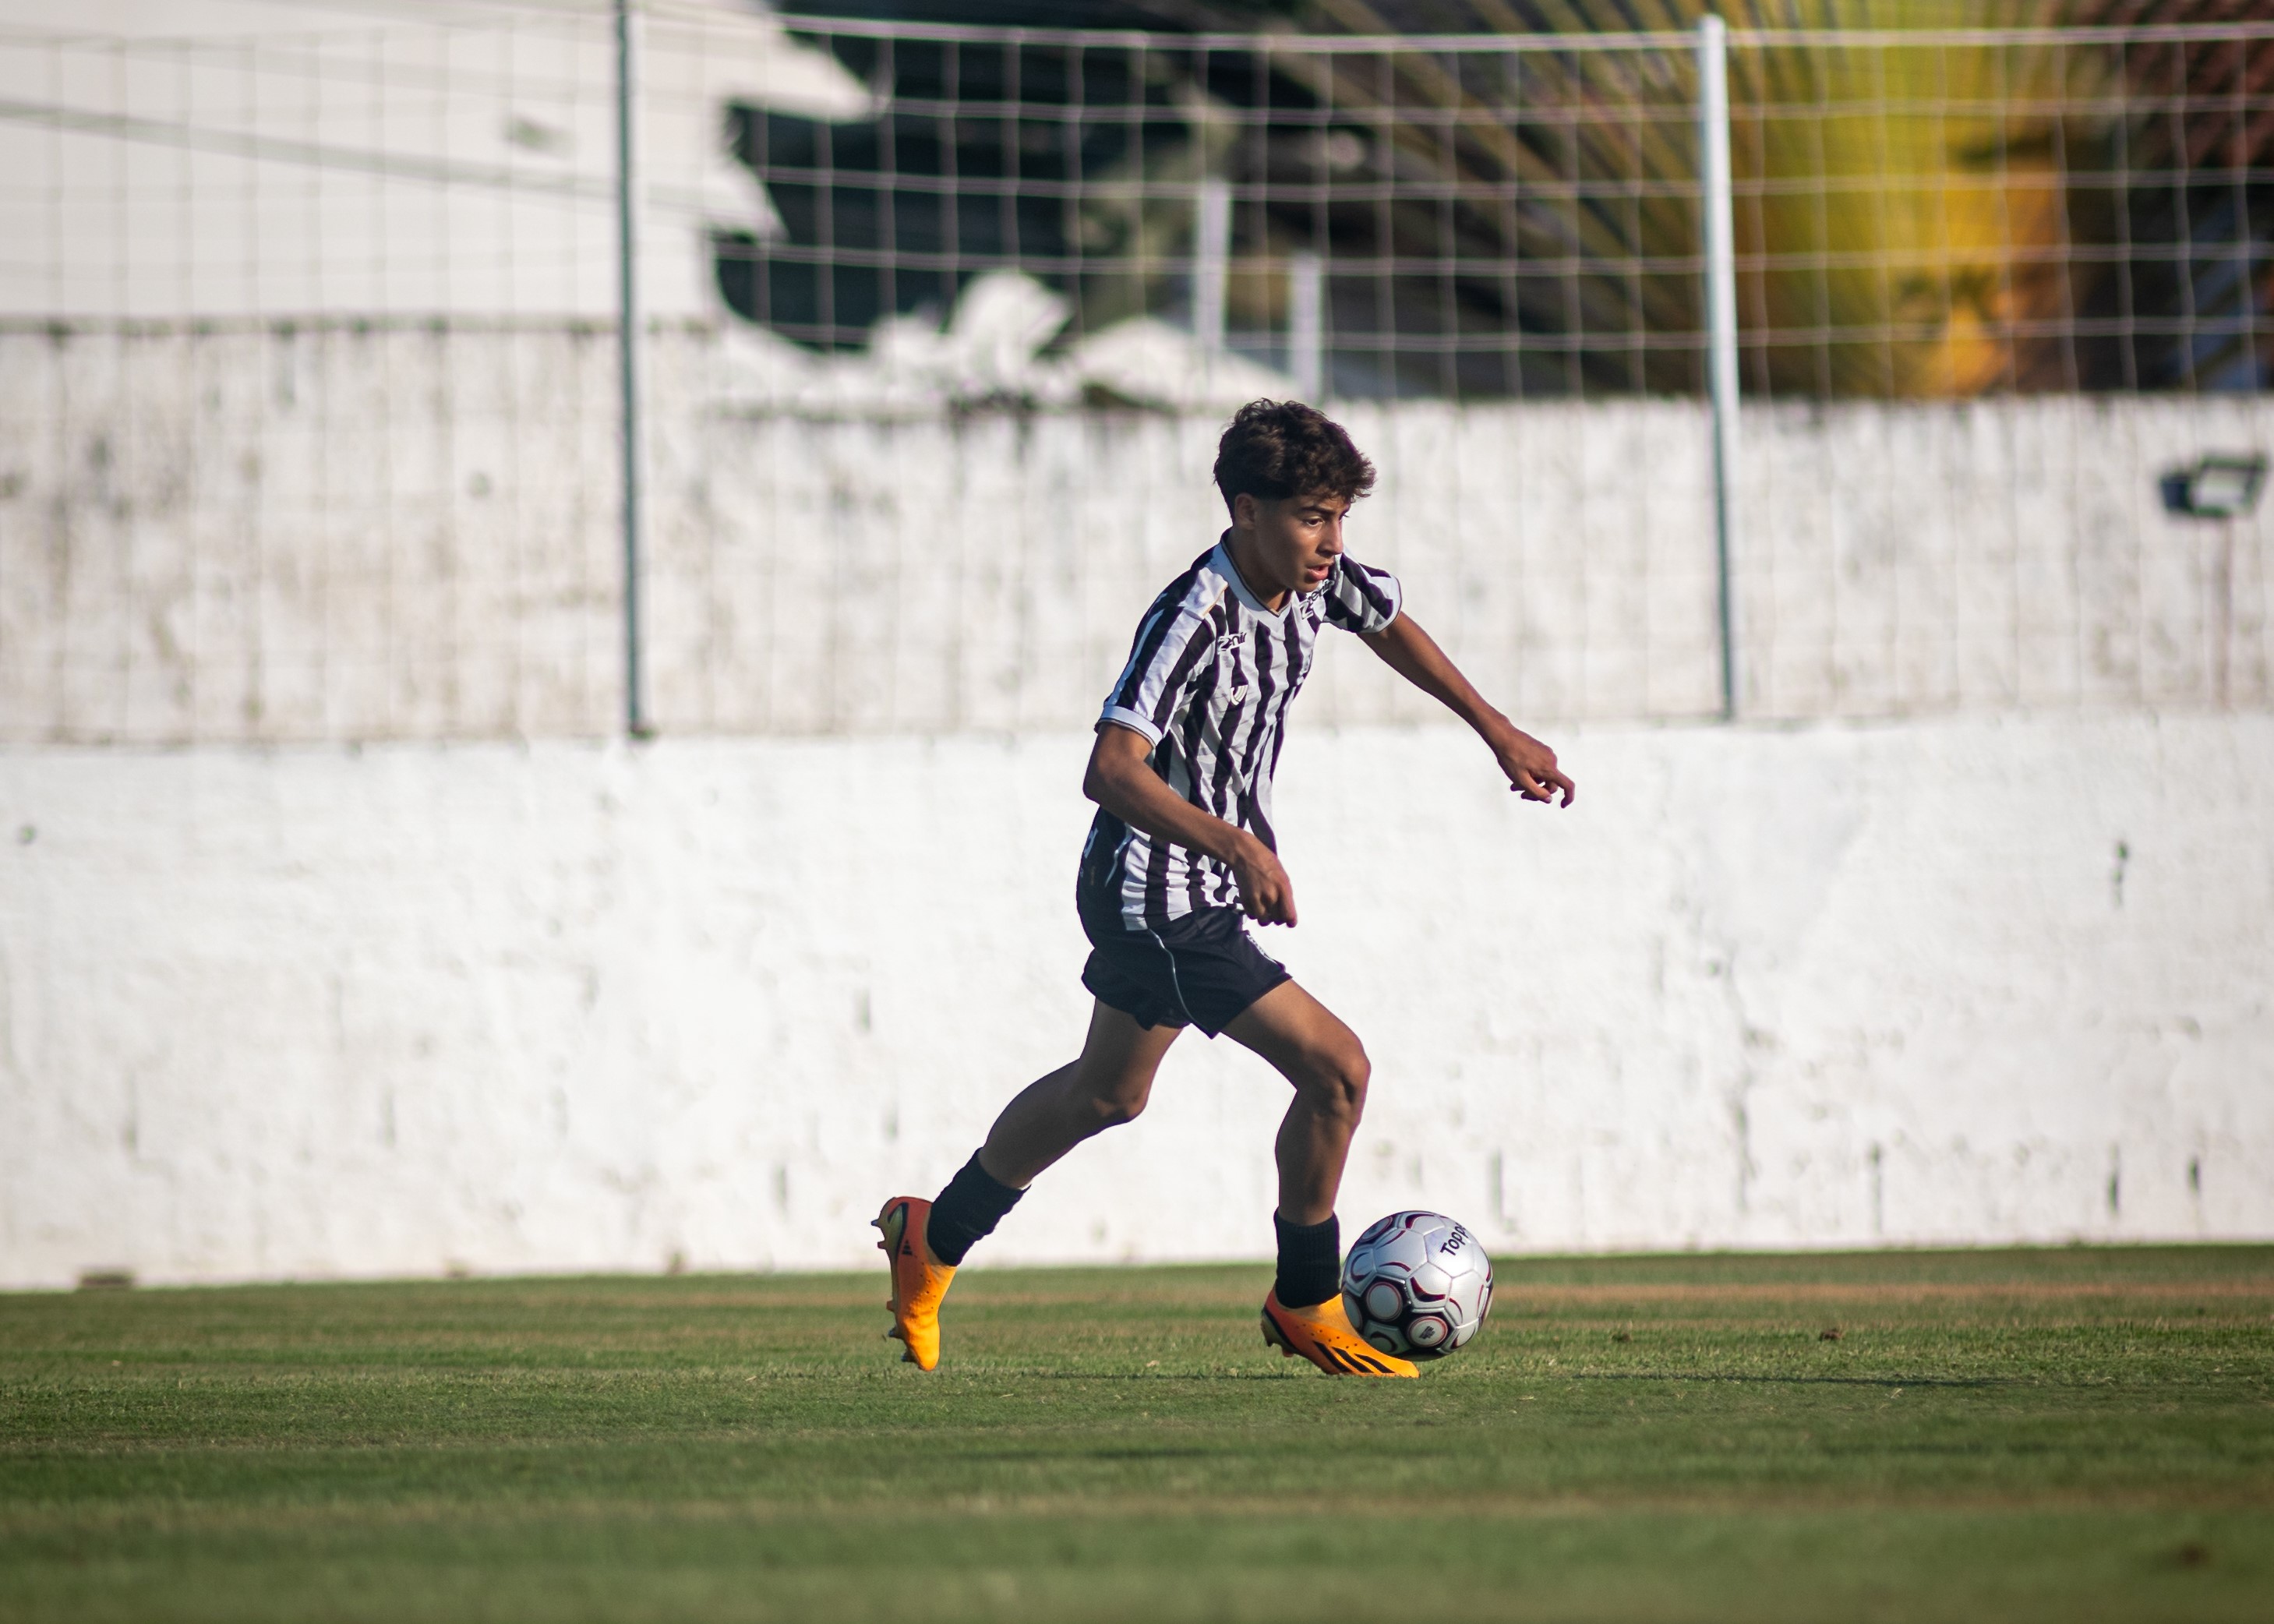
{"points": [[1106, 1087], [1107, 1084], [1309, 1045], [1326, 1064]]}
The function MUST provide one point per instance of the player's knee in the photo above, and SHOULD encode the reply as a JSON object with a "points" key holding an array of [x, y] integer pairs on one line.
{"points": [[1338, 1077], [1111, 1108], [1353, 1074]]}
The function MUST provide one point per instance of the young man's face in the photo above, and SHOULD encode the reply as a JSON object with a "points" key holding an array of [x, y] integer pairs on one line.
{"points": [[1287, 545]]}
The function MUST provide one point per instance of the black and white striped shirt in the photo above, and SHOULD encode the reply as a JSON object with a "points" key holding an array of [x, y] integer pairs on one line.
{"points": [[1208, 683]]}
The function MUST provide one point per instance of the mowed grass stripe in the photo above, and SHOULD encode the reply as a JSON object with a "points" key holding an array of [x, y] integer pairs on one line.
{"points": [[1622, 1566], [2079, 1433]]}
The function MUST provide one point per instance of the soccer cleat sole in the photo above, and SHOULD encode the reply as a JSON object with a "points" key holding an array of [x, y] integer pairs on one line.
{"points": [[891, 1302], [890, 1227]]}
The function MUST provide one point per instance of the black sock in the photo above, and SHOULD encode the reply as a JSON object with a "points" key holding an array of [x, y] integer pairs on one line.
{"points": [[970, 1208], [1310, 1262]]}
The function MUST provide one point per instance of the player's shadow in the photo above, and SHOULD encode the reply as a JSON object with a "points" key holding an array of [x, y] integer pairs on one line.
{"points": [[1814, 1381], [1063, 1455]]}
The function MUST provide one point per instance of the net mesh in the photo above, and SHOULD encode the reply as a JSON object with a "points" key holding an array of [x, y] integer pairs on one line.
{"points": [[1920, 215], [307, 363]]}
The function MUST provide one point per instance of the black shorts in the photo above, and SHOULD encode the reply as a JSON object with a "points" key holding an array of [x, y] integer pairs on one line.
{"points": [[1201, 970]]}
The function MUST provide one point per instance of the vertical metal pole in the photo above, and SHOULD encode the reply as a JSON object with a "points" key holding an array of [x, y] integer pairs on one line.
{"points": [[1211, 261], [627, 348], [1721, 326], [1306, 283]]}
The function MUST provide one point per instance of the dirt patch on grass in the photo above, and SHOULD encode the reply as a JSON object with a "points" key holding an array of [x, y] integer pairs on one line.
{"points": [[1903, 1292]]}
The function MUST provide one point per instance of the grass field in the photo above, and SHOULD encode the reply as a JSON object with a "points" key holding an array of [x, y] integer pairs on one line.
{"points": [[2062, 1434]]}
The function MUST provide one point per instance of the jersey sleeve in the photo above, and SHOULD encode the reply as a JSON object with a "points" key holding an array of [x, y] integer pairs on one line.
{"points": [[1175, 638], [1359, 599]]}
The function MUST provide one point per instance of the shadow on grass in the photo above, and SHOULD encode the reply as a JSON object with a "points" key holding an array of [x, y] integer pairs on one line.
{"points": [[1058, 1457], [1731, 1378]]}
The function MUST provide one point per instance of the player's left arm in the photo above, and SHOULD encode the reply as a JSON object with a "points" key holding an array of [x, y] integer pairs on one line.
{"points": [[1414, 654]]}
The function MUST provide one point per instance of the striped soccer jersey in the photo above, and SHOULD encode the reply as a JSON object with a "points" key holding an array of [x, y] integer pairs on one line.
{"points": [[1209, 683]]}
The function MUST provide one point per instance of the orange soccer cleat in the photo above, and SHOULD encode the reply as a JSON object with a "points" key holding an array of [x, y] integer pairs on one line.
{"points": [[919, 1280], [1323, 1335]]}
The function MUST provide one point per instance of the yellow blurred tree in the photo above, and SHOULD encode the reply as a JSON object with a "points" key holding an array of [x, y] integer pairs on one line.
{"points": [[1901, 209]]}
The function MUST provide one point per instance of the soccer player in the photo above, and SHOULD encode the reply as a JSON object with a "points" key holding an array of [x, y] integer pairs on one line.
{"points": [[1181, 856]]}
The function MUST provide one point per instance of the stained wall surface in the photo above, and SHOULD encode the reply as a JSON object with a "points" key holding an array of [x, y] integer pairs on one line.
{"points": [[362, 531], [323, 1010]]}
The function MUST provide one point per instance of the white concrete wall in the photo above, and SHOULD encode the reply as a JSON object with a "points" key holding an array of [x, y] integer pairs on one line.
{"points": [[326, 534], [331, 1011]]}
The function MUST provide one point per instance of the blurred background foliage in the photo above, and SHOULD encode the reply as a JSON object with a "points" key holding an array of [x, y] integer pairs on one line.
{"points": [[1940, 217]]}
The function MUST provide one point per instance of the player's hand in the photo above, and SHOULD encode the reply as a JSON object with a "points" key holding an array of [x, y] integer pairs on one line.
{"points": [[1266, 895], [1531, 767]]}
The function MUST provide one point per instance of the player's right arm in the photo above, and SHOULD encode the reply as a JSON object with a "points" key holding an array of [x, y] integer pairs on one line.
{"points": [[1121, 779]]}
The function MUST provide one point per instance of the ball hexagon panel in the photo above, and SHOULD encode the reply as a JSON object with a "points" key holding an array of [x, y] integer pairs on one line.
{"points": [[1468, 1293], [1407, 1250]]}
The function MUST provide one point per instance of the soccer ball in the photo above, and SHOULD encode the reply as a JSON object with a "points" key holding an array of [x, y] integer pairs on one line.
{"points": [[1418, 1285]]}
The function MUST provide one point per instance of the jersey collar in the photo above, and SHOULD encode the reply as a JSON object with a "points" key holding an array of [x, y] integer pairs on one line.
{"points": [[1230, 571]]}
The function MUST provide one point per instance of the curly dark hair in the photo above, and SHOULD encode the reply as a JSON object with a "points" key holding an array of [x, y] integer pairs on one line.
{"points": [[1276, 449]]}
